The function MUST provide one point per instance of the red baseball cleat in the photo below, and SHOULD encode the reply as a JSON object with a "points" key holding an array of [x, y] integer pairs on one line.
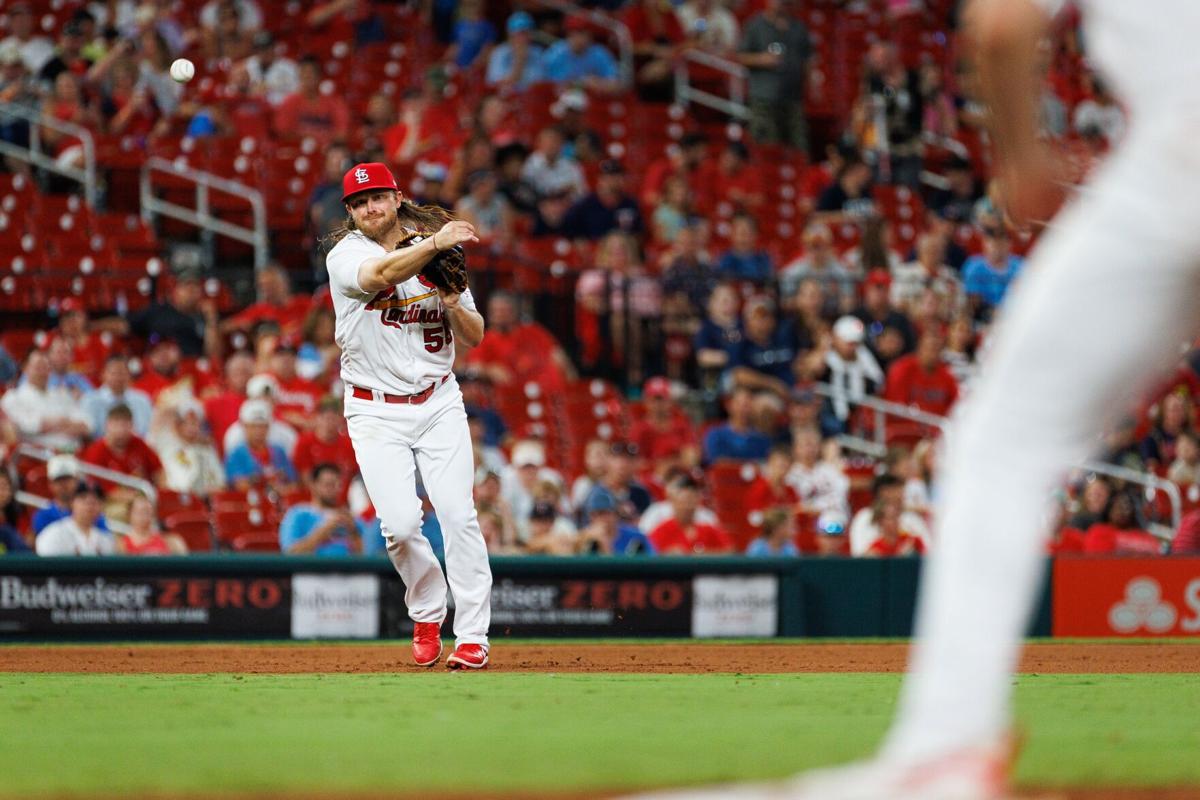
{"points": [[468, 656], [427, 643]]}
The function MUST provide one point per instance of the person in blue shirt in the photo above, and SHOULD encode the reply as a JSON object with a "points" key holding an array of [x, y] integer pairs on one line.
{"points": [[63, 473], [775, 536], [518, 61], [607, 209], [256, 463], [577, 59], [472, 35], [764, 357], [116, 389], [323, 527], [736, 440], [720, 332], [986, 277], [744, 261], [607, 535]]}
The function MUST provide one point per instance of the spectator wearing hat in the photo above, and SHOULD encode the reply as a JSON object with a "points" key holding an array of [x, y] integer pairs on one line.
{"points": [[308, 112], [606, 209], [516, 63], [78, 533], [577, 59], [745, 260], [885, 528], [520, 479], [606, 534], [766, 356], [516, 353], [889, 333], [987, 276], [617, 482], [683, 534], [263, 388], [831, 533], [45, 416], [549, 170], [256, 463], [550, 533], [664, 435], [324, 526], [63, 474], [190, 461], [485, 208], [326, 443], [851, 370], [116, 388], [736, 440], [62, 374], [775, 46], [121, 450], [921, 379], [775, 536], [276, 303], [187, 317]]}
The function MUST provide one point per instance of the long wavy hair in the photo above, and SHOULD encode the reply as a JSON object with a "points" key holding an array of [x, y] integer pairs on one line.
{"points": [[423, 219]]}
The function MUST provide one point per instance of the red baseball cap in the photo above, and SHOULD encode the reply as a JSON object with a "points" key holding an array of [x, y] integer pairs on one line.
{"points": [[879, 277], [364, 177], [576, 23], [657, 386], [69, 305]]}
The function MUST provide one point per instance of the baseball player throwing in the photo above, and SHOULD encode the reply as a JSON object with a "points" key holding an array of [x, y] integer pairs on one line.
{"points": [[1108, 297], [397, 329]]}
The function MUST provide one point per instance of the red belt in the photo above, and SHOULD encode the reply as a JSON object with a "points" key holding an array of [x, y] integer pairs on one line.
{"points": [[407, 399]]}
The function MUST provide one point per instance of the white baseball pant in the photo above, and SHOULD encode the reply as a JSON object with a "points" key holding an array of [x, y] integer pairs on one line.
{"points": [[1106, 300], [392, 441]]}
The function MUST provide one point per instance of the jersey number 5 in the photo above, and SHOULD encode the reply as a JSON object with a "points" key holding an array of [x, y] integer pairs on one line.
{"points": [[437, 338]]}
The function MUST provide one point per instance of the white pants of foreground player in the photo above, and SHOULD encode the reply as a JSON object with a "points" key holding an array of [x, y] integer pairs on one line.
{"points": [[392, 441], [1104, 304]]}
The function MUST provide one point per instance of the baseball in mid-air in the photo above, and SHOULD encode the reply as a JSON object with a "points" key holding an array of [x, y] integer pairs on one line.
{"points": [[182, 70]]}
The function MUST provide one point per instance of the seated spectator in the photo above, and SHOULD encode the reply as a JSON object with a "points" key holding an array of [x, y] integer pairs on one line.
{"points": [[744, 260], [479, 401], [595, 466], [674, 211], [1064, 540], [549, 170], [499, 537], [275, 303], [733, 179], [1185, 469], [517, 62], [617, 483], [986, 277], [957, 201], [1172, 418], [63, 473], [686, 161], [45, 416], [607, 209], [885, 528], [121, 450], [819, 484], [889, 333], [308, 112], [519, 481], [820, 263], [735, 440], [929, 270], [550, 214], [325, 526], [78, 534], [849, 198], [144, 537], [921, 380], [550, 533], [959, 354], [190, 462], [850, 370], [67, 102], [88, 349], [1119, 532], [227, 39], [708, 25], [486, 209], [162, 368], [519, 193], [186, 318], [577, 59], [665, 436], [683, 534], [326, 443], [221, 409], [765, 357], [775, 537], [319, 358], [720, 335], [515, 353], [274, 76], [116, 388], [11, 539], [831, 533], [771, 489], [689, 274], [615, 304], [1097, 492], [914, 466], [35, 51], [606, 535], [472, 37], [663, 510], [265, 389], [297, 397], [256, 463]]}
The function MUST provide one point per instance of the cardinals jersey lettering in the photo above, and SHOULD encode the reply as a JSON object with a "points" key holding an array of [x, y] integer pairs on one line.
{"points": [[397, 341]]}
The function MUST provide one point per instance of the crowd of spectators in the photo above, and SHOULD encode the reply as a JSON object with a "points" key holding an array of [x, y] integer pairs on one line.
{"points": [[718, 332]]}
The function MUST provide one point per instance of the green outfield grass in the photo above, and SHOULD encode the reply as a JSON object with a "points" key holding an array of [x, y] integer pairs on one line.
{"points": [[121, 734]]}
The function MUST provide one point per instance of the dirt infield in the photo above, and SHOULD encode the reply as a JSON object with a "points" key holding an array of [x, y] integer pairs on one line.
{"points": [[1067, 658]]}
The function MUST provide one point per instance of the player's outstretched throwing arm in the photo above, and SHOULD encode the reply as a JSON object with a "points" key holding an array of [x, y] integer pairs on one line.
{"points": [[377, 274]]}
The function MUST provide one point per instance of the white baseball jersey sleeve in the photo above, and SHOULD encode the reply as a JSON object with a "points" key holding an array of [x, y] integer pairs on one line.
{"points": [[396, 341]]}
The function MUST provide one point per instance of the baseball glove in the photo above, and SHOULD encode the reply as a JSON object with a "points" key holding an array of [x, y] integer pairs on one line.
{"points": [[447, 270]]}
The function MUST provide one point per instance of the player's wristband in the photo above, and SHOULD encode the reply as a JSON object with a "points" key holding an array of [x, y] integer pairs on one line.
{"points": [[435, 246]]}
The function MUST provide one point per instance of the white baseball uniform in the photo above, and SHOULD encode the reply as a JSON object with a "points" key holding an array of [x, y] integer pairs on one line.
{"points": [[398, 342], [1108, 297]]}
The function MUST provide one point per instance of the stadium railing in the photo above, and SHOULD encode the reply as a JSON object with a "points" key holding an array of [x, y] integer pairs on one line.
{"points": [[685, 92], [36, 155], [619, 31]]}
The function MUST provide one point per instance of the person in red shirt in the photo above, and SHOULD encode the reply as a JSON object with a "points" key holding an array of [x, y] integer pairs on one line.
{"points": [[893, 539], [769, 489], [665, 436], [684, 161], [921, 379], [515, 351], [657, 36], [682, 535], [89, 351], [731, 179], [121, 450], [1187, 538], [276, 303], [162, 367], [221, 410], [1119, 534], [308, 112], [326, 443], [297, 398], [144, 538]]}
